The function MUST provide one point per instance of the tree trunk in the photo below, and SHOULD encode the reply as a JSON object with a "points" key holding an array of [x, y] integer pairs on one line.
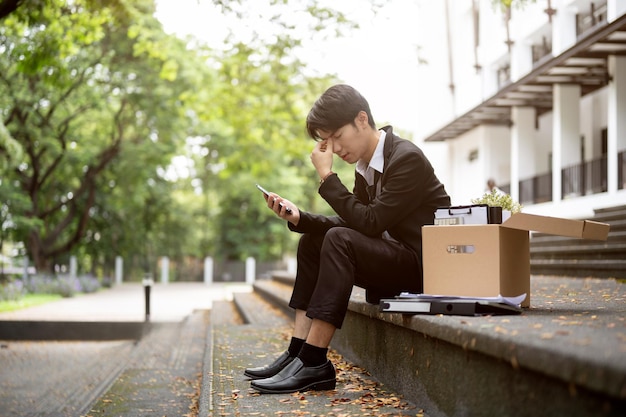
{"points": [[36, 252]]}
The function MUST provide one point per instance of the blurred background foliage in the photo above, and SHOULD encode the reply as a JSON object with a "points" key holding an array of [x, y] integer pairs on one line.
{"points": [[117, 139]]}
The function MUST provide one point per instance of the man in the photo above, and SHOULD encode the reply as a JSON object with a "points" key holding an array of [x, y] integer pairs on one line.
{"points": [[491, 186], [374, 242]]}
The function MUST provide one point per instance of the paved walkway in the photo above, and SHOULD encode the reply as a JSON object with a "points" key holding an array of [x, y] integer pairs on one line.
{"points": [[63, 378], [126, 302]]}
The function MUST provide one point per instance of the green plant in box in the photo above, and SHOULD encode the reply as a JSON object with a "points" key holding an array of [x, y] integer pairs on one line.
{"points": [[497, 198]]}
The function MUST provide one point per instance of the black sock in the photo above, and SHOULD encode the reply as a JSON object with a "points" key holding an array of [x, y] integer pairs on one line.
{"points": [[312, 355], [295, 346]]}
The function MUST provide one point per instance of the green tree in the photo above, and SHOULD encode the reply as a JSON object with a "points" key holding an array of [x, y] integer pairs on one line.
{"points": [[97, 100], [264, 98], [81, 82]]}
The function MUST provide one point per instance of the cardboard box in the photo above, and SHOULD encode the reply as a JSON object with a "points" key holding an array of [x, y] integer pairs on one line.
{"points": [[494, 259]]}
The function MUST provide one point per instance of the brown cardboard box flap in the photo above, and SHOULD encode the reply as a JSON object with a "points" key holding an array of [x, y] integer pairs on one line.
{"points": [[595, 230], [585, 229]]}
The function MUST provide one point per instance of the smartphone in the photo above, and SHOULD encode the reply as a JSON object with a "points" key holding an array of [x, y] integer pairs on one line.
{"points": [[267, 193]]}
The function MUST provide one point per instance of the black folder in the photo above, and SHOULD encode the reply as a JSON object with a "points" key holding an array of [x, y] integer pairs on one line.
{"points": [[459, 307]]}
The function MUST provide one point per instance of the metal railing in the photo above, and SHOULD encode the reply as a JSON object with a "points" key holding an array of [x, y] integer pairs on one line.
{"points": [[504, 75], [592, 17], [541, 50], [582, 179], [536, 190], [596, 180], [585, 178]]}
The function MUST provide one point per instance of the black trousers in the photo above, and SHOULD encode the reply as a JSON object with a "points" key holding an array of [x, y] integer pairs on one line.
{"points": [[329, 265]]}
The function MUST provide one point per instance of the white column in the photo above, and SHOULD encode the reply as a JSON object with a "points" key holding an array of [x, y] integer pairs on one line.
{"points": [[565, 133], [250, 270], [614, 9], [563, 29], [208, 270], [165, 270], [119, 269], [522, 147], [489, 81], [521, 60], [616, 123], [73, 267]]}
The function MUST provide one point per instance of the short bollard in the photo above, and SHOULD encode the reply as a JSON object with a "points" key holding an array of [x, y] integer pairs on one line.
{"points": [[147, 286]]}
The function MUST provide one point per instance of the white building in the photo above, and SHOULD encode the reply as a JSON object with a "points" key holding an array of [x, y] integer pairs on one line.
{"points": [[534, 98]]}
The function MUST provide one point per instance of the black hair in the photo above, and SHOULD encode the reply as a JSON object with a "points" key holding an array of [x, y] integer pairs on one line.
{"points": [[338, 106]]}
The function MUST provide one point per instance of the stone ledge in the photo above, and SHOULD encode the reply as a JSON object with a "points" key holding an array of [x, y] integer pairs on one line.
{"points": [[575, 332], [576, 341], [72, 330]]}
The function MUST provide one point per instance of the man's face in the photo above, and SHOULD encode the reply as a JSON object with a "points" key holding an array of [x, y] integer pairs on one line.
{"points": [[348, 142]]}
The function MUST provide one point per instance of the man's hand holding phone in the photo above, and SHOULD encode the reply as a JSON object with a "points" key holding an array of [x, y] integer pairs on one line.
{"points": [[280, 206]]}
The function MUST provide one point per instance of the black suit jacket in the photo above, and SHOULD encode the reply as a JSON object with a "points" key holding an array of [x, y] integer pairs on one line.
{"points": [[409, 196]]}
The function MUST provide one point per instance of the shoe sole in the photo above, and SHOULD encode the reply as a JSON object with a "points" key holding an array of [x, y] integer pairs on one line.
{"points": [[316, 386], [256, 377]]}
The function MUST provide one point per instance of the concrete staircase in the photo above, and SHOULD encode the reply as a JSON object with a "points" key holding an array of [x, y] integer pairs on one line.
{"points": [[253, 330], [195, 368], [557, 255], [565, 356]]}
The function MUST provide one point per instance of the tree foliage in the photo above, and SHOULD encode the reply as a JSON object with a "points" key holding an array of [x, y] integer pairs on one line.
{"points": [[96, 102], [85, 87]]}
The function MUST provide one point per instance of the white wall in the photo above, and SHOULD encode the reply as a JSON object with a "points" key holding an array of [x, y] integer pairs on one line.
{"points": [[600, 120], [578, 207], [467, 176], [587, 115], [466, 179], [492, 33], [497, 154], [467, 81], [543, 146], [593, 118], [439, 157], [434, 105]]}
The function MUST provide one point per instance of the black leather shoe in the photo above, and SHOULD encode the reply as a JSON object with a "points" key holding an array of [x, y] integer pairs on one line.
{"points": [[270, 370], [297, 377]]}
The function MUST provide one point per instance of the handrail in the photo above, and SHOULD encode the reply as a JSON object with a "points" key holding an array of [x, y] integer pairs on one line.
{"points": [[586, 178]]}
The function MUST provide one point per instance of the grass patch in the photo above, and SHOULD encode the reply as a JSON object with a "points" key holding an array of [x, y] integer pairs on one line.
{"points": [[28, 300]]}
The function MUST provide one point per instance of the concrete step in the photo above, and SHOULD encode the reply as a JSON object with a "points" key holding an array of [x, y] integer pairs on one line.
{"points": [[71, 330], [614, 237], [277, 292], [611, 214], [254, 310], [57, 379], [563, 356], [602, 268], [611, 209], [559, 255], [283, 277], [235, 346], [163, 373], [600, 264], [598, 250]]}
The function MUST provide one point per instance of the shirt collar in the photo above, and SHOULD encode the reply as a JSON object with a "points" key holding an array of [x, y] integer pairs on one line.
{"points": [[378, 159]]}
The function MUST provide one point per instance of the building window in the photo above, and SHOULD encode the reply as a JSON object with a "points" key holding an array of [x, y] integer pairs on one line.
{"points": [[590, 18]]}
